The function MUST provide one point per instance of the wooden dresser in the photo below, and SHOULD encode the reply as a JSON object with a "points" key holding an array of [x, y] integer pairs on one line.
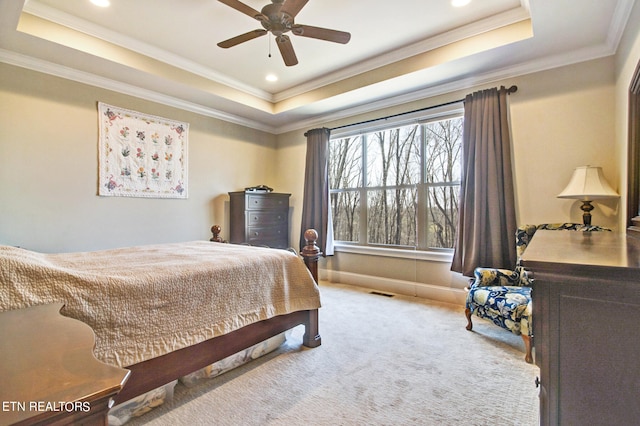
{"points": [[586, 312], [260, 219], [48, 373]]}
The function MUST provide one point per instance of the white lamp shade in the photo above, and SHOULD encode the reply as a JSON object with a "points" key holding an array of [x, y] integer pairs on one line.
{"points": [[588, 183]]}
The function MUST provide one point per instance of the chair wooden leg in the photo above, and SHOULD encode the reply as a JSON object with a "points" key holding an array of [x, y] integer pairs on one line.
{"points": [[467, 312], [527, 346]]}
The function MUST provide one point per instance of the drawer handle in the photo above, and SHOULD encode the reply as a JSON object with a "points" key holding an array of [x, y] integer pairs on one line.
{"points": [[537, 382], [256, 233]]}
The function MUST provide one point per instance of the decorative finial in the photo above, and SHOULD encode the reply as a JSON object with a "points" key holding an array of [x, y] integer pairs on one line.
{"points": [[215, 230], [311, 249]]}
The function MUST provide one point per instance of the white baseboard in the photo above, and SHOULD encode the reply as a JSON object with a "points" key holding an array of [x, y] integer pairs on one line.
{"points": [[454, 296]]}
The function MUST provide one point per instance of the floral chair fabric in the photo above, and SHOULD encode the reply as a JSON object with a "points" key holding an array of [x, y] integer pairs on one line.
{"points": [[504, 296]]}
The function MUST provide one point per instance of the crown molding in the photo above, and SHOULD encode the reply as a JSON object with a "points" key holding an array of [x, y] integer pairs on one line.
{"points": [[539, 65], [556, 61], [616, 29], [51, 14], [90, 79], [485, 25], [619, 22], [493, 22]]}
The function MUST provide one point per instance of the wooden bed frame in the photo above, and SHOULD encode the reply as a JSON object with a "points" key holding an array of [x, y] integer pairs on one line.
{"points": [[153, 373]]}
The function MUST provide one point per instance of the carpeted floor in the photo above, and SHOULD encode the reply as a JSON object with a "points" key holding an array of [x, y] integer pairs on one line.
{"points": [[383, 361]]}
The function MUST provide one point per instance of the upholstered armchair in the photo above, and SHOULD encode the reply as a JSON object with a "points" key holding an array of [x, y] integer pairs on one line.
{"points": [[504, 296]]}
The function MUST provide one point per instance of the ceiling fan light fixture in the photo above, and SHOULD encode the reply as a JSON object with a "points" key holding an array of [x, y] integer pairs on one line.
{"points": [[460, 3], [101, 3]]}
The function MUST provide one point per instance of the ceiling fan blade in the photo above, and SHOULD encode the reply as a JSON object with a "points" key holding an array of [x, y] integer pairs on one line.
{"points": [[234, 41], [286, 50], [293, 7], [322, 33], [241, 7]]}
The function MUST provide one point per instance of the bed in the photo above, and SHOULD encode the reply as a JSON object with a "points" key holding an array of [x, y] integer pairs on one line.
{"points": [[164, 311]]}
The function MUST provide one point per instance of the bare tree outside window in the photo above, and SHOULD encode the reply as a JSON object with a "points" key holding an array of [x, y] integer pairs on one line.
{"points": [[393, 172], [345, 177], [443, 167], [388, 184]]}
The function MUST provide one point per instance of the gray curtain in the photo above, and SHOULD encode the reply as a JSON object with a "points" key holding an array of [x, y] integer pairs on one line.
{"points": [[486, 222], [316, 206]]}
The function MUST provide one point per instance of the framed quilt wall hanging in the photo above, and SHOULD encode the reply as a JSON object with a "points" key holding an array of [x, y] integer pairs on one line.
{"points": [[141, 155]]}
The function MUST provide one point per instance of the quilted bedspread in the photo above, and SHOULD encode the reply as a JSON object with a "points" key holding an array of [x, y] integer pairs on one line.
{"points": [[145, 301]]}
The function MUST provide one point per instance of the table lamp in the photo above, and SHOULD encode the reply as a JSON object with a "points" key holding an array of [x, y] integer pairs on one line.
{"points": [[587, 184]]}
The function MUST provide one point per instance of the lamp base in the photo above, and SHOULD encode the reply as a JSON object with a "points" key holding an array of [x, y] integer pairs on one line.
{"points": [[586, 208]]}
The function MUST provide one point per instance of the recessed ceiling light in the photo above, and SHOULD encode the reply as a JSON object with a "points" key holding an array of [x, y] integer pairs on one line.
{"points": [[460, 3], [271, 77], [101, 3]]}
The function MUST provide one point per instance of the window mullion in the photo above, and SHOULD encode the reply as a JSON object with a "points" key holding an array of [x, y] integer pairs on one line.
{"points": [[421, 210], [364, 204]]}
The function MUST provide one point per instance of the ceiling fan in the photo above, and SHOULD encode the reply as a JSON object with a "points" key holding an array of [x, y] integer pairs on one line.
{"points": [[278, 19]]}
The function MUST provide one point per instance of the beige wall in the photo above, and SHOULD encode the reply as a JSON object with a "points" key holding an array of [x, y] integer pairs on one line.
{"points": [[560, 119], [48, 170]]}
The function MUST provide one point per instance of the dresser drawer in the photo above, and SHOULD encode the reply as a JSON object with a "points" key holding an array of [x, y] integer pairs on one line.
{"points": [[261, 234], [274, 217], [260, 202]]}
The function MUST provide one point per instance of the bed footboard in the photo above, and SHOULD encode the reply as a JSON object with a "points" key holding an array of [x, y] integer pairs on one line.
{"points": [[155, 372], [150, 374]]}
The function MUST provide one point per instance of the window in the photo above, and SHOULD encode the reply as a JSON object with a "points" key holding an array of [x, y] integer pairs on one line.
{"points": [[397, 186]]}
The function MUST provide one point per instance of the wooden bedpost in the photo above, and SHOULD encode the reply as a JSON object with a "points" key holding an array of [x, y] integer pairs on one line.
{"points": [[215, 230], [311, 252], [311, 337]]}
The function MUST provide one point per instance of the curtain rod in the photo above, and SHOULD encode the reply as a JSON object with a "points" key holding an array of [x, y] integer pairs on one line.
{"points": [[510, 90]]}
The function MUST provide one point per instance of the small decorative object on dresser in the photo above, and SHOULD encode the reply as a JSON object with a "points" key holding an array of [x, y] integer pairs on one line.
{"points": [[259, 218]]}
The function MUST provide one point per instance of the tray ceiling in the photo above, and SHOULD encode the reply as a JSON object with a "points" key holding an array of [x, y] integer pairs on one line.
{"points": [[166, 51]]}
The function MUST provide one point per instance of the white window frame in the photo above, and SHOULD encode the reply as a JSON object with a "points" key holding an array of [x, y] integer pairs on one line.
{"points": [[419, 117]]}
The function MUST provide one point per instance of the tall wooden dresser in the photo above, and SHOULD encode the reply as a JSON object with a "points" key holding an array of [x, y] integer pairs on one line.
{"points": [[586, 311], [259, 218]]}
